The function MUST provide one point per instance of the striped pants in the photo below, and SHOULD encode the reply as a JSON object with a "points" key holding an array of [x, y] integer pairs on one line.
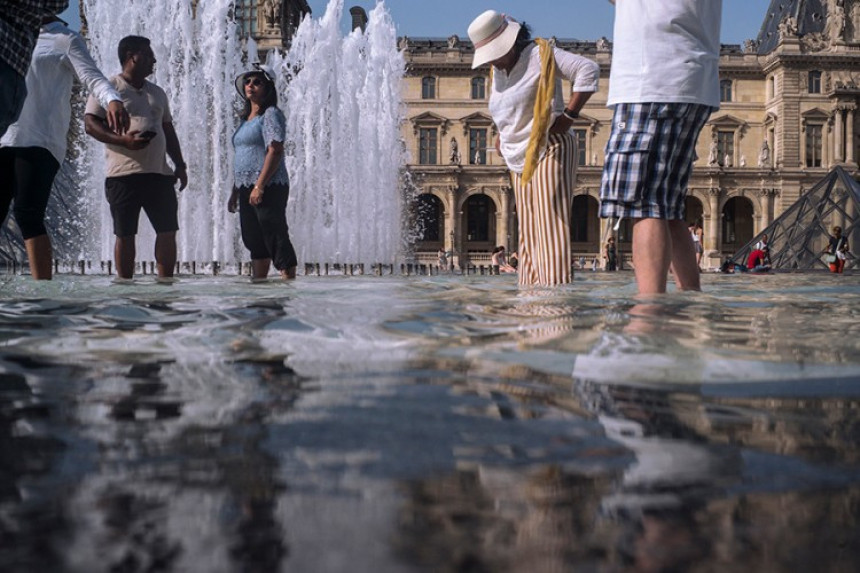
{"points": [[543, 212]]}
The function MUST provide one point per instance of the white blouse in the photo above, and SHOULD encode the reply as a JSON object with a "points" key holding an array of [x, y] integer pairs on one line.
{"points": [[512, 97], [60, 56]]}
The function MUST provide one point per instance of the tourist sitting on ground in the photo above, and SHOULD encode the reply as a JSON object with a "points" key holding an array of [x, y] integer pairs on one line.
{"points": [[261, 185], [138, 176], [34, 147], [731, 267], [757, 262], [836, 251], [514, 261], [499, 260]]}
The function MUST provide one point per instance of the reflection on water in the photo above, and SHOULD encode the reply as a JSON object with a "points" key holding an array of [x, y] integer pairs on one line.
{"points": [[437, 423]]}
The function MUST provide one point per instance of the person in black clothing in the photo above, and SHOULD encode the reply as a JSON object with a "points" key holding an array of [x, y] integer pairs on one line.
{"points": [[611, 253]]}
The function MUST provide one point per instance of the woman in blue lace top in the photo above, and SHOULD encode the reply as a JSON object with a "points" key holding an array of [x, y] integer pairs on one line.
{"points": [[261, 185]]}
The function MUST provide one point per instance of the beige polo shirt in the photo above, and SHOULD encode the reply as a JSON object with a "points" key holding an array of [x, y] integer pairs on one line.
{"points": [[147, 109]]}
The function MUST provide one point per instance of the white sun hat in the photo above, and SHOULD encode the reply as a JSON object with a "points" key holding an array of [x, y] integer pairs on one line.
{"points": [[267, 71], [493, 36]]}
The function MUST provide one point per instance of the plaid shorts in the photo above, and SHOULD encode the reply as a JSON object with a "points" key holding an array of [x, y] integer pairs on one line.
{"points": [[649, 157]]}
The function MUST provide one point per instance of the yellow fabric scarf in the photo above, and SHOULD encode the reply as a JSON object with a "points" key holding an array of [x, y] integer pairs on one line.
{"points": [[543, 108]]}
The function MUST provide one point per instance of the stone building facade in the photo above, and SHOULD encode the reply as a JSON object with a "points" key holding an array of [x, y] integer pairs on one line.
{"points": [[788, 114], [272, 23]]}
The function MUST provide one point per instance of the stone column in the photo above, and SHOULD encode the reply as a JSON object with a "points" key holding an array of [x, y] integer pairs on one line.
{"points": [[503, 218], [452, 221], [838, 137], [826, 144], [712, 233], [766, 209], [849, 135]]}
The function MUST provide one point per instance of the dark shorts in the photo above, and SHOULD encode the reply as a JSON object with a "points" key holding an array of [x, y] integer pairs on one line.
{"points": [[649, 157], [13, 92], [26, 176], [152, 192]]}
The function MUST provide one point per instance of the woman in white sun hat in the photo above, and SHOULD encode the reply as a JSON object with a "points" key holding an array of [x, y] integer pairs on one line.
{"points": [[534, 118], [261, 185]]}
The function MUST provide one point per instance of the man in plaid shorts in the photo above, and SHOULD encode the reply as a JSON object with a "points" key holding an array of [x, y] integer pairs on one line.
{"points": [[663, 85]]}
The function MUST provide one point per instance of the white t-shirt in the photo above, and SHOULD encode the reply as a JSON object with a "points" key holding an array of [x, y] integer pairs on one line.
{"points": [[666, 51], [512, 97]]}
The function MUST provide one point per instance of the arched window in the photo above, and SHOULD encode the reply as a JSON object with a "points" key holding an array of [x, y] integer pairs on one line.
{"points": [[725, 90], [579, 219], [480, 219], [428, 88], [478, 88], [737, 223], [430, 218], [814, 83]]}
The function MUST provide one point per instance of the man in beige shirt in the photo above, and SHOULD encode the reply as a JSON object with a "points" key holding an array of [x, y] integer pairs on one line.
{"points": [[138, 175]]}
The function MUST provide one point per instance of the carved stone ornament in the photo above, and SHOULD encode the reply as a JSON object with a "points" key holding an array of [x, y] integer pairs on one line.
{"points": [[713, 155], [764, 155], [455, 152], [834, 29], [270, 14], [814, 42], [787, 28]]}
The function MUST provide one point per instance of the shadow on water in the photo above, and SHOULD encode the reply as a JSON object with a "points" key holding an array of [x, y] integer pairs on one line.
{"points": [[429, 424]]}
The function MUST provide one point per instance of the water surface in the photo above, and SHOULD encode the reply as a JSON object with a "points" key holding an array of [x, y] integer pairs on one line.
{"points": [[429, 424]]}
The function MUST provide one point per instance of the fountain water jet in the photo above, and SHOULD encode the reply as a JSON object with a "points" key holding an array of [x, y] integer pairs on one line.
{"points": [[341, 96]]}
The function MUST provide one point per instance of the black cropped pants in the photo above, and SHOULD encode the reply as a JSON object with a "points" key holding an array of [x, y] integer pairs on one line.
{"points": [[26, 176], [264, 227]]}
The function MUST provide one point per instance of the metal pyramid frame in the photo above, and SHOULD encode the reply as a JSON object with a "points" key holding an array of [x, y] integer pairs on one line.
{"points": [[797, 238]]}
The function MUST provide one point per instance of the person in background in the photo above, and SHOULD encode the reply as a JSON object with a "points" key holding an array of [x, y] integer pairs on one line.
{"points": [[611, 254], [663, 86], [138, 176], [757, 261], [34, 147], [697, 235], [499, 260], [261, 185], [534, 120], [837, 251], [19, 26], [442, 259]]}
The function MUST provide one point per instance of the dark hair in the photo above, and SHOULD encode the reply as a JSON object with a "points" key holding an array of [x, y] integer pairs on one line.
{"points": [[129, 46], [271, 99], [524, 38]]}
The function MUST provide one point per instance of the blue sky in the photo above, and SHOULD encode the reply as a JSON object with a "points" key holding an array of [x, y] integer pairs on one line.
{"points": [[582, 19]]}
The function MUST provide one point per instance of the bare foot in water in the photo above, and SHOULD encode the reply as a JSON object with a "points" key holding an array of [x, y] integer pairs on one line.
{"points": [[288, 274]]}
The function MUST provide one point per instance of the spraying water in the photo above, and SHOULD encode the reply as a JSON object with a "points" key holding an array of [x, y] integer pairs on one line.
{"points": [[341, 96]]}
